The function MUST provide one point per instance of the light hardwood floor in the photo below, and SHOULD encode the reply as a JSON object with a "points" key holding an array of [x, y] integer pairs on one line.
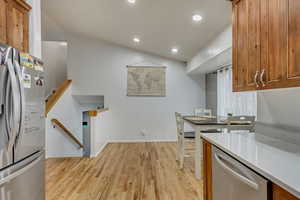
{"points": [[135, 171]]}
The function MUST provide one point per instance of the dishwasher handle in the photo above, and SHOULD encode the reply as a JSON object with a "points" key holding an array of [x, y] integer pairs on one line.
{"points": [[237, 175]]}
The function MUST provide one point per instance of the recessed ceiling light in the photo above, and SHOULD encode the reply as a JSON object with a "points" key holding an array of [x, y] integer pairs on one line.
{"points": [[131, 1], [197, 18], [136, 39], [174, 50]]}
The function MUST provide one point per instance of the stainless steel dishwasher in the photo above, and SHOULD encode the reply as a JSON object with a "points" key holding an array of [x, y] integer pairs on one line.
{"points": [[234, 181]]}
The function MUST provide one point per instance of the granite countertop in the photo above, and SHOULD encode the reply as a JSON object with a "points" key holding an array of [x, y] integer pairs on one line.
{"points": [[274, 159]]}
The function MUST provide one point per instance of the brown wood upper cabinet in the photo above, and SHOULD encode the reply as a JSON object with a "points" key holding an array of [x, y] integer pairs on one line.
{"points": [[266, 44], [281, 194], [14, 23], [3, 6], [246, 44]]}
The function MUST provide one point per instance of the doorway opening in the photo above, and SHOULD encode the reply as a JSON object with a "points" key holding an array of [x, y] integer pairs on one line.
{"points": [[86, 129]]}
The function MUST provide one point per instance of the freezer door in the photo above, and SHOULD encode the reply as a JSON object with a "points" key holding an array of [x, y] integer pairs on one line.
{"points": [[5, 156], [9, 107], [24, 180], [31, 137]]}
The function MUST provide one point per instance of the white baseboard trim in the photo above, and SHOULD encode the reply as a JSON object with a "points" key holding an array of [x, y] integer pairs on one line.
{"points": [[105, 144], [100, 150], [138, 141], [64, 156]]}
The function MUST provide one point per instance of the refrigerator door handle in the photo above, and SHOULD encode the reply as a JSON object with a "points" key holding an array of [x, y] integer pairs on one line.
{"points": [[6, 179], [15, 101], [22, 97]]}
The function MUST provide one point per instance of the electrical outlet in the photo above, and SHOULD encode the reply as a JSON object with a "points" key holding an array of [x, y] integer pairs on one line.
{"points": [[143, 132]]}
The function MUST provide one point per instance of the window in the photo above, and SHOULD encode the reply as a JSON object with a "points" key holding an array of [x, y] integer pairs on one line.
{"points": [[236, 103]]}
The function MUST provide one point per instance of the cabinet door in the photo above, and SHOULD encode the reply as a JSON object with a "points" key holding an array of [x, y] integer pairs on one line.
{"points": [[293, 71], [207, 171], [17, 22], [281, 194], [246, 44], [274, 42], [281, 43], [3, 4]]}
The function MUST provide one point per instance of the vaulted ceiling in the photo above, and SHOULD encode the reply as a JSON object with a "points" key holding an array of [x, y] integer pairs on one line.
{"points": [[159, 24]]}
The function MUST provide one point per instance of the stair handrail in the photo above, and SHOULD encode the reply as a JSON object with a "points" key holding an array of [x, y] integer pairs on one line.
{"points": [[53, 99], [67, 132]]}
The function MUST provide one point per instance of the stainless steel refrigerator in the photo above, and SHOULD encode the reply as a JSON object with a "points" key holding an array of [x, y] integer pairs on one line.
{"points": [[22, 126]]}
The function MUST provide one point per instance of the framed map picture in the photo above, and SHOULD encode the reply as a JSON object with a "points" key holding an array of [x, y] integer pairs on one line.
{"points": [[146, 81]]}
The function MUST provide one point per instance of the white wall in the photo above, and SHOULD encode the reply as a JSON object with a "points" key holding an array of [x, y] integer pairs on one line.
{"points": [[216, 53], [278, 113], [99, 134], [51, 30], [280, 106], [99, 68], [35, 41], [67, 111], [55, 64]]}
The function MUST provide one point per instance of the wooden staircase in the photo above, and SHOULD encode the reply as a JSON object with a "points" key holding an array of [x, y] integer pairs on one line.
{"points": [[53, 99]]}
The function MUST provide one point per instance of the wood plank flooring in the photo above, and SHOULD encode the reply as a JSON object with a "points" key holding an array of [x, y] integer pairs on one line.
{"points": [[135, 171]]}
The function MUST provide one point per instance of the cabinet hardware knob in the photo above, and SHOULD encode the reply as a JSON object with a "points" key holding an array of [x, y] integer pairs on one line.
{"points": [[255, 79], [262, 77]]}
